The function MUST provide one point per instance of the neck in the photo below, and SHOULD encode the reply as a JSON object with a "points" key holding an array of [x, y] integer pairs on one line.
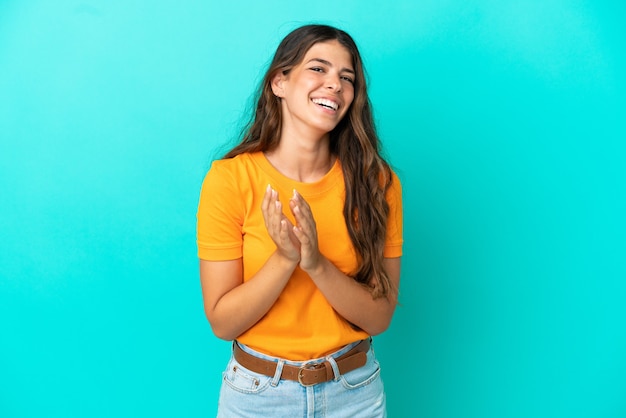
{"points": [[301, 160]]}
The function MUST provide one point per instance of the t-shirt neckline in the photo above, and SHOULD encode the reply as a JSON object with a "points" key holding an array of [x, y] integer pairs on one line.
{"points": [[322, 185]]}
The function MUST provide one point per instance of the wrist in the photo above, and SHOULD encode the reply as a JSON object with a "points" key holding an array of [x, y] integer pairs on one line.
{"points": [[317, 270], [285, 261]]}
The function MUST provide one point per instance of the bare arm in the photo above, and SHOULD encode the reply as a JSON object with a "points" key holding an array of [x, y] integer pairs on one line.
{"points": [[350, 299], [354, 301], [232, 306]]}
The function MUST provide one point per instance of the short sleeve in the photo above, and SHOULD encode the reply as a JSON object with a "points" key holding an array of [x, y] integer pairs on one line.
{"points": [[393, 243], [219, 216]]}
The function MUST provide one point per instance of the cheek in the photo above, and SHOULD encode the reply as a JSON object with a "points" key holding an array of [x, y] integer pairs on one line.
{"points": [[348, 98]]}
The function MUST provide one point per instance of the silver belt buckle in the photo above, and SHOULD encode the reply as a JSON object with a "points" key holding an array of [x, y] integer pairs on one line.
{"points": [[307, 366]]}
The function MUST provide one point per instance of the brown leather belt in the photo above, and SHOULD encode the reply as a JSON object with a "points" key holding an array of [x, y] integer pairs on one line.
{"points": [[309, 373]]}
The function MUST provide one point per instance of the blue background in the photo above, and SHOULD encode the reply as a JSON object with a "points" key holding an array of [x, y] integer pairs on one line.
{"points": [[505, 121]]}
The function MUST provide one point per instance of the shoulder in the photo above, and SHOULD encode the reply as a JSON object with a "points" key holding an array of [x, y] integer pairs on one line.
{"points": [[395, 180], [394, 189], [233, 163], [231, 167], [390, 180]]}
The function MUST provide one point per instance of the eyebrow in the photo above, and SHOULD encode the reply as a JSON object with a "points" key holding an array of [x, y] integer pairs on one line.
{"points": [[325, 62]]}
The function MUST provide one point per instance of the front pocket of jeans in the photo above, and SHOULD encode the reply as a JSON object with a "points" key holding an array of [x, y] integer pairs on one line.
{"points": [[245, 381], [361, 376]]}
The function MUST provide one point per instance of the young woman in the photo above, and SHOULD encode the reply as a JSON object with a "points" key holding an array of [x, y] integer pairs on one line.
{"points": [[300, 238]]}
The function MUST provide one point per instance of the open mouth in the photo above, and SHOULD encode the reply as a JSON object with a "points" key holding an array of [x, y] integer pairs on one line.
{"points": [[329, 104]]}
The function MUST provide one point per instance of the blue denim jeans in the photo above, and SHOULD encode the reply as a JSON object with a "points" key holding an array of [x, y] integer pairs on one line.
{"points": [[356, 394]]}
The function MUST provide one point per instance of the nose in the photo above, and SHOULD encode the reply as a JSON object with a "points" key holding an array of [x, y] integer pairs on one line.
{"points": [[333, 82]]}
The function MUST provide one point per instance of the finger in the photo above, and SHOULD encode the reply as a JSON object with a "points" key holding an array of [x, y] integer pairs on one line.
{"points": [[273, 212], [275, 216], [298, 201], [268, 207], [273, 203], [309, 253], [301, 235], [304, 205], [287, 242], [304, 220], [301, 219], [285, 226], [305, 229], [308, 242]]}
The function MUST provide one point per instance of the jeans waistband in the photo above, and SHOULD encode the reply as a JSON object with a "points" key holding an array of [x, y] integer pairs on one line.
{"points": [[307, 373], [343, 350]]}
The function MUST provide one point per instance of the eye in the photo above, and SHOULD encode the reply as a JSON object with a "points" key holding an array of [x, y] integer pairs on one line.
{"points": [[317, 69], [348, 79]]}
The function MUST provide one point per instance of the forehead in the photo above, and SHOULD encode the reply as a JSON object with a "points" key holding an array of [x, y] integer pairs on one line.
{"points": [[331, 51]]}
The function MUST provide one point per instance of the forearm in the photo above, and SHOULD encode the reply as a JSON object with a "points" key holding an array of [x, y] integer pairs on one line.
{"points": [[245, 304], [352, 300]]}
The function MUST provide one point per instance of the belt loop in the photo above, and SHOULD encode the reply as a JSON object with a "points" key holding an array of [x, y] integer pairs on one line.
{"points": [[278, 373], [334, 366]]}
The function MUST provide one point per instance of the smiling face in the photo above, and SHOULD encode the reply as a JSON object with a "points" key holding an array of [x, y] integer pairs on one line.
{"points": [[317, 93]]}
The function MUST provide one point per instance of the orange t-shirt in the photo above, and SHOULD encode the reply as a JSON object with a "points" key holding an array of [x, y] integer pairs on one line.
{"points": [[301, 324]]}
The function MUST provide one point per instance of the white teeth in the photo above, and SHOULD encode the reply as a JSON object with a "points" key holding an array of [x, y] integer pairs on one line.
{"points": [[327, 103]]}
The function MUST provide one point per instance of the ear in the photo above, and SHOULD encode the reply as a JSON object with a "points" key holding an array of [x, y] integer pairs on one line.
{"points": [[277, 84]]}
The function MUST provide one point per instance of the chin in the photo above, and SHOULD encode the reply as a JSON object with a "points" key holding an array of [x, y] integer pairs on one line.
{"points": [[328, 127]]}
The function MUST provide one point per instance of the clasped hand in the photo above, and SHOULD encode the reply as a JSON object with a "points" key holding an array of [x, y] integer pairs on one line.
{"points": [[298, 242]]}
